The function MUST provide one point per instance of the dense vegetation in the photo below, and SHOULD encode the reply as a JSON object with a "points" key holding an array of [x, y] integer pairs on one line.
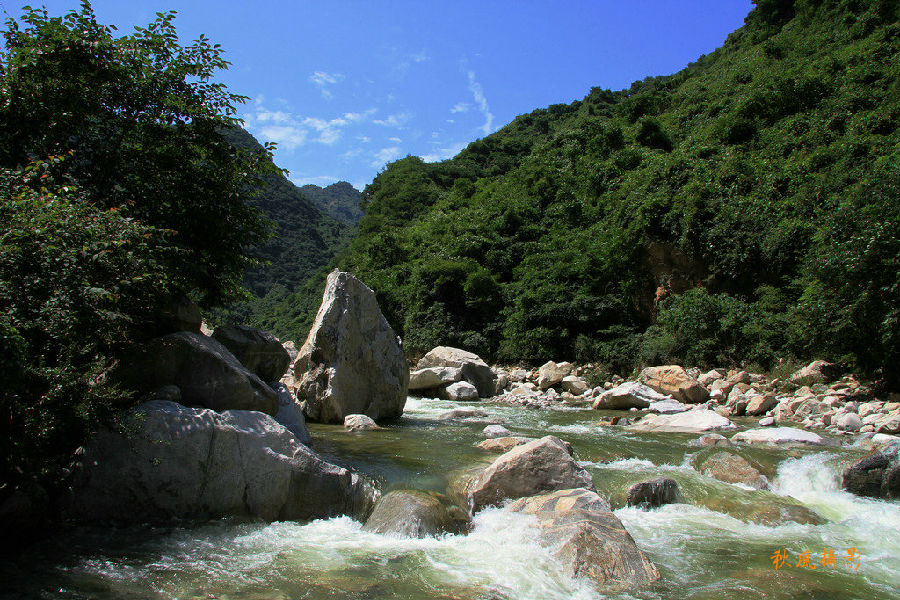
{"points": [[305, 238], [339, 200], [743, 210], [118, 196]]}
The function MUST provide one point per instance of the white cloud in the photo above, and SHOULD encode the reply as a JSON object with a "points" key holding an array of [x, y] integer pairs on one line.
{"points": [[322, 80], [264, 116], [329, 131], [398, 120], [396, 140], [461, 107], [286, 136], [386, 155], [445, 153], [363, 139], [481, 103]]}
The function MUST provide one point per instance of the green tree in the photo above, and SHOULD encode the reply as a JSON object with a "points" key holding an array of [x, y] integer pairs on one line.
{"points": [[117, 193]]}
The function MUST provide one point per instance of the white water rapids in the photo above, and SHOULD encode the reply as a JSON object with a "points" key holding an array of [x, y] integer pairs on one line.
{"points": [[701, 553]]}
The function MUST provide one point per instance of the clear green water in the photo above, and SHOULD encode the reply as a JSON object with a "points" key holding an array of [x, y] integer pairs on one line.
{"points": [[704, 549]]}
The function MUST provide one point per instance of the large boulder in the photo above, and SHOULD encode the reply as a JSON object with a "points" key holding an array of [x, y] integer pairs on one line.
{"points": [[877, 475], [351, 362], [432, 377], [461, 391], [207, 374], [588, 539], [542, 465], [650, 494], [692, 421], [630, 394], [290, 416], [474, 370], [259, 351], [817, 371], [674, 381], [174, 462], [551, 373], [416, 514]]}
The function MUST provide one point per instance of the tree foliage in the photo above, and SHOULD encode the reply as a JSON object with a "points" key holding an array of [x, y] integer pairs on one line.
{"points": [[118, 194]]}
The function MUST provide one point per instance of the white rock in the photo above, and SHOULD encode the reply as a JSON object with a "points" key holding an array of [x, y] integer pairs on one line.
{"points": [[359, 423], [692, 421], [630, 394], [551, 373], [575, 385], [847, 422], [778, 435], [667, 407], [496, 431], [432, 377], [461, 391]]}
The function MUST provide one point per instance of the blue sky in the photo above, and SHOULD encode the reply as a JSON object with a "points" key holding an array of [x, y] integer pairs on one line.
{"points": [[345, 86]]}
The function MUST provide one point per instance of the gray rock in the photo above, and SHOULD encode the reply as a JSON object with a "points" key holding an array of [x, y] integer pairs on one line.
{"points": [[847, 422], [574, 385], [692, 421], [630, 394], [674, 381], [416, 514], [589, 540], [730, 467], [433, 377], [502, 445], [778, 436], [667, 407], [767, 422], [173, 462], [290, 416], [496, 431], [359, 423], [650, 494], [539, 466], [816, 372], [351, 362], [257, 350], [461, 391], [877, 475], [207, 374], [474, 370], [551, 373]]}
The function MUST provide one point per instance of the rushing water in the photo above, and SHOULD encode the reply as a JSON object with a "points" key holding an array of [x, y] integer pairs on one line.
{"points": [[707, 548]]}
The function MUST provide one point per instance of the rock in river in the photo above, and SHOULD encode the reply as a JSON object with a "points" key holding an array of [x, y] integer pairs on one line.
{"points": [[474, 370], [877, 476], [630, 394], [589, 539], [416, 514], [692, 421], [654, 493], [173, 462], [351, 362], [542, 465], [676, 382], [778, 436]]}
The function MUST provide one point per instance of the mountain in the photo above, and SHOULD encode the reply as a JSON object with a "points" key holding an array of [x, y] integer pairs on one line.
{"points": [[339, 200], [305, 237], [743, 210]]}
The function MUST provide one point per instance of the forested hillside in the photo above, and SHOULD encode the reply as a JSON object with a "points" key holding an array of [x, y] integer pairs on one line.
{"points": [[305, 237], [339, 200], [743, 210]]}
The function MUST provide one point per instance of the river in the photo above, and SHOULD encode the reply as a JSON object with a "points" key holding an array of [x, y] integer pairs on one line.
{"points": [[708, 548]]}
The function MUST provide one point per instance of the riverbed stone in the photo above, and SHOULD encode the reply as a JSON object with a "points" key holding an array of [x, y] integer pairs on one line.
{"points": [[778, 436], [432, 377], [760, 404], [290, 416], [693, 421], [847, 422], [630, 394], [542, 465], [416, 514], [551, 373], [258, 350], [474, 370], [877, 475], [352, 361], [502, 445], [654, 493], [207, 374], [575, 385], [461, 391], [359, 423], [667, 407], [730, 467], [674, 381], [589, 540], [174, 462], [818, 371]]}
